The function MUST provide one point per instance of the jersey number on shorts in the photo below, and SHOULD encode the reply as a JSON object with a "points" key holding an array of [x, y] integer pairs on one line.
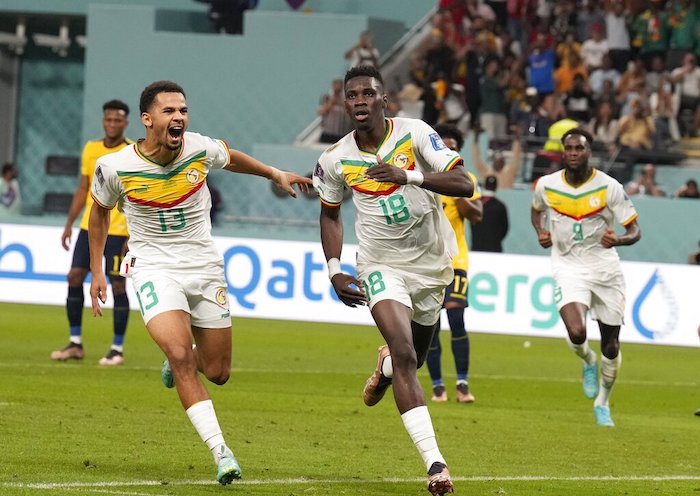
{"points": [[116, 262], [374, 284], [176, 215], [394, 209], [460, 284], [578, 232], [149, 295]]}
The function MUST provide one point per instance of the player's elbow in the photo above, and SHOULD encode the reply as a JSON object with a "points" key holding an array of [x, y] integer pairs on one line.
{"points": [[467, 187]]}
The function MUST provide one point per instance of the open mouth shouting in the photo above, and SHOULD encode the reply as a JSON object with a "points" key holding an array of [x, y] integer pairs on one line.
{"points": [[175, 133]]}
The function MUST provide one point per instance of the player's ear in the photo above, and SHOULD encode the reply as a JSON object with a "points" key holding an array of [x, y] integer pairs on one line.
{"points": [[146, 119], [385, 101]]}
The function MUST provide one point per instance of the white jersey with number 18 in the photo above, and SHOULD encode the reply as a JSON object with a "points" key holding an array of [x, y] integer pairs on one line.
{"points": [[402, 226]]}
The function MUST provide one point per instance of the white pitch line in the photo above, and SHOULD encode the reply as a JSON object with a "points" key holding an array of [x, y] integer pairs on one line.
{"points": [[234, 370], [304, 481], [110, 491]]}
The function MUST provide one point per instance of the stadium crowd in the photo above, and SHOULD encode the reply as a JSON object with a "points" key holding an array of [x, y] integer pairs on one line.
{"points": [[625, 71]]}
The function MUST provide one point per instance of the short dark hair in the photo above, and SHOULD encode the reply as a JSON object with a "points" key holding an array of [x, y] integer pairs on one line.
{"points": [[7, 167], [364, 71], [148, 95], [450, 131], [577, 131], [116, 105]]}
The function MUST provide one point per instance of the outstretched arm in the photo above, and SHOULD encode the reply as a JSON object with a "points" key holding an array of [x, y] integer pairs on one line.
{"points": [[97, 235], [243, 163], [332, 242]]}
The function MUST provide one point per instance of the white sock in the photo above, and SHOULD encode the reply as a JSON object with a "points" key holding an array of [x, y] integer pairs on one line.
{"points": [[420, 428], [76, 339], [387, 367], [203, 418], [608, 374], [583, 351], [119, 348]]}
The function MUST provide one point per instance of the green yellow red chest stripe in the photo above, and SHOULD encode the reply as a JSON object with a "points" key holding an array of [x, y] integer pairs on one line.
{"points": [[401, 156], [579, 206], [166, 189]]}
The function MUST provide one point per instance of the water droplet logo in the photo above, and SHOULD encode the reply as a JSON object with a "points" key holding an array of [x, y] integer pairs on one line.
{"points": [[656, 291]]}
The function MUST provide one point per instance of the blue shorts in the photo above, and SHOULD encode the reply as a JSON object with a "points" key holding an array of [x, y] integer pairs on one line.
{"points": [[113, 253], [457, 290]]}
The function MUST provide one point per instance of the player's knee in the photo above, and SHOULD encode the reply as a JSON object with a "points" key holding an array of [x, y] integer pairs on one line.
{"points": [[181, 358], [219, 376], [577, 333], [403, 356], [217, 372], [178, 353], [76, 277], [118, 286], [610, 349]]}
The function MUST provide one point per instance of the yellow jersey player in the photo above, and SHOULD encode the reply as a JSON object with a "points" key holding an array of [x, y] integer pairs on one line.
{"points": [[583, 204], [456, 210], [114, 122]]}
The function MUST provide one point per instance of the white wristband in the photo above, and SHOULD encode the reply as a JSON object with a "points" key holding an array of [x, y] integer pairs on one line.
{"points": [[333, 267], [274, 173], [414, 177]]}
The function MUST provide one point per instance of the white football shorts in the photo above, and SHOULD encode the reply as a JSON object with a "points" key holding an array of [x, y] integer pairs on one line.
{"points": [[421, 293], [602, 292], [201, 292]]}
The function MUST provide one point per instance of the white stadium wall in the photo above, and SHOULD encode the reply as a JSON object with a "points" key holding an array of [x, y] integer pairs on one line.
{"points": [[509, 294]]}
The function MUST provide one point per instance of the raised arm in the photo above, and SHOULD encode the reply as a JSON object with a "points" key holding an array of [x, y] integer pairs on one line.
{"points": [[479, 164], [511, 172], [98, 227], [245, 164], [332, 241]]}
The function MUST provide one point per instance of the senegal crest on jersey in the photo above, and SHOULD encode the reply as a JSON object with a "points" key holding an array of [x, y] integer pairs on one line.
{"points": [[401, 156], [580, 206], [167, 189]]}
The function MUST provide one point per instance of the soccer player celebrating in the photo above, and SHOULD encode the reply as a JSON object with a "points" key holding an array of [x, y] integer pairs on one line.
{"points": [[176, 271], [396, 169], [583, 203]]}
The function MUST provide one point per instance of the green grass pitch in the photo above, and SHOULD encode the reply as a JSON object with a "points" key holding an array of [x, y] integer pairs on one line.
{"points": [[293, 414]]}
